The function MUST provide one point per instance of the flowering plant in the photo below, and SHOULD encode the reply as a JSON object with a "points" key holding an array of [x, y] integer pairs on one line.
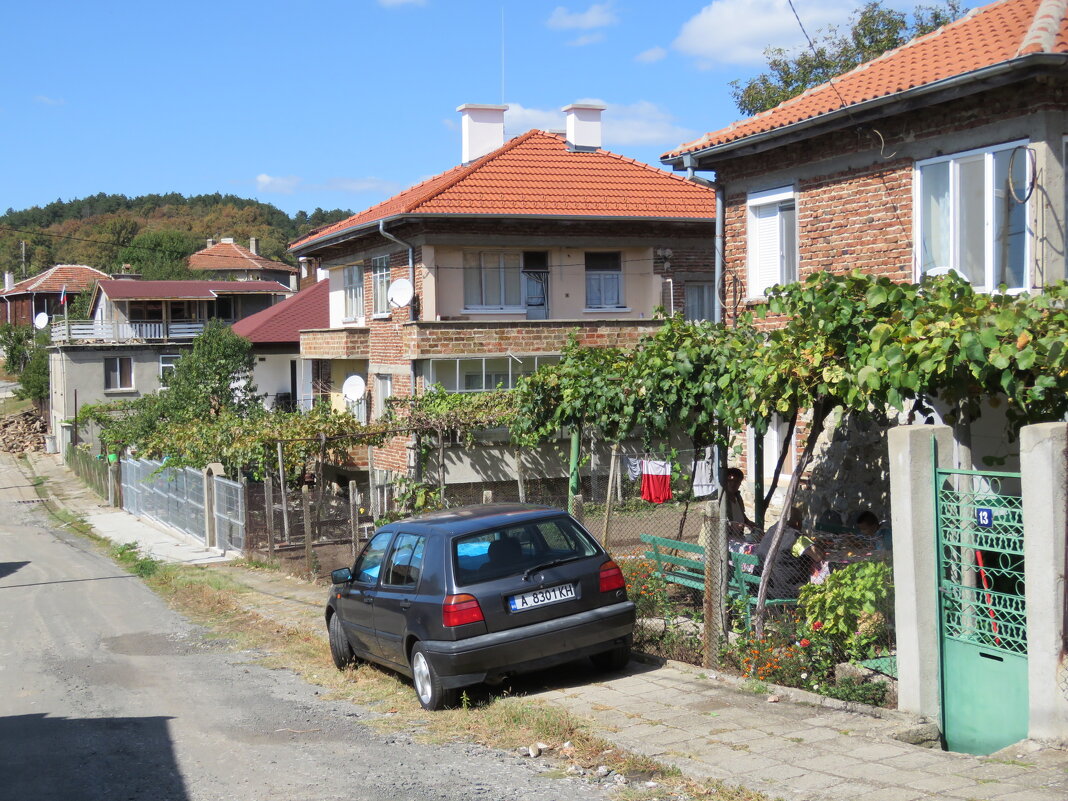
{"points": [[645, 586]]}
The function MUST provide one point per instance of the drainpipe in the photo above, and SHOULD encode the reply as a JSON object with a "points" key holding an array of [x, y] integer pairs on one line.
{"points": [[717, 269], [411, 263]]}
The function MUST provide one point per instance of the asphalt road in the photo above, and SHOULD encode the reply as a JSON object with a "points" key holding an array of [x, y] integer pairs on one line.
{"points": [[105, 693]]}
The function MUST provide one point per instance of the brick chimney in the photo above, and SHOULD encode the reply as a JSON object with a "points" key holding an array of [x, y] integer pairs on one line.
{"points": [[482, 128], [254, 245], [583, 125]]}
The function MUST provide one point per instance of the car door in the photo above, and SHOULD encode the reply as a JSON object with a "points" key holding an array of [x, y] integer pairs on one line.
{"points": [[357, 600], [396, 595]]}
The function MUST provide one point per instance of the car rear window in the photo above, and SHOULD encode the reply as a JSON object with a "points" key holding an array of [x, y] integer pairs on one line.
{"points": [[499, 552]]}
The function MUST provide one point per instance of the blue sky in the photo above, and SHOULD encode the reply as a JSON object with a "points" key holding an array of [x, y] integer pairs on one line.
{"points": [[341, 104]]}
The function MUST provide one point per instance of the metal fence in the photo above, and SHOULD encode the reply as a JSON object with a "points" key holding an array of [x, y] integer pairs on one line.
{"points": [[173, 496], [229, 511]]}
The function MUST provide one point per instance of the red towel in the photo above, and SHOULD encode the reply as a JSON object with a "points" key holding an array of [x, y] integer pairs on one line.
{"points": [[656, 481]]}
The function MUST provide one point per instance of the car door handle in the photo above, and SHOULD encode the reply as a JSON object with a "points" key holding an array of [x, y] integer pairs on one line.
{"points": [[368, 599], [405, 604]]}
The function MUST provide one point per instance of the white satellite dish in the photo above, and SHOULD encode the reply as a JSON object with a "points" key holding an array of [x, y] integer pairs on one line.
{"points": [[400, 293], [40, 321], [354, 388]]}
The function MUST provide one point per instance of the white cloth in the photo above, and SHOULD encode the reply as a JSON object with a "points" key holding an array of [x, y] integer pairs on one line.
{"points": [[634, 467], [702, 478]]}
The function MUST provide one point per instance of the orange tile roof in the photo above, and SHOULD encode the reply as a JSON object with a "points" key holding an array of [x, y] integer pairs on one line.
{"points": [[283, 322], [230, 256], [75, 277], [537, 175], [985, 37]]}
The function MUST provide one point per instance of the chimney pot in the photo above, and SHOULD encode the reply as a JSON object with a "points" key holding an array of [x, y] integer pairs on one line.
{"points": [[9, 281], [254, 245], [211, 242], [583, 125], [482, 128]]}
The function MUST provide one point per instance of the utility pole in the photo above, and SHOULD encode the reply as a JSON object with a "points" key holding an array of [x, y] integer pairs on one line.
{"points": [[23, 243]]}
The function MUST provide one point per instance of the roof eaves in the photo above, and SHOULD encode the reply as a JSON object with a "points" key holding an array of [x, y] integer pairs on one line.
{"points": [[345, 234], [765, 140]]}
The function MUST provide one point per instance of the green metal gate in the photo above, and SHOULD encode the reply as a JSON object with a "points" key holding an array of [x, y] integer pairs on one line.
{"points": [[982, 616]]}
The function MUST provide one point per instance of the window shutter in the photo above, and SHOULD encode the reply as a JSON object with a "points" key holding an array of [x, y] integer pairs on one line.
{"points": [[764, 262]]}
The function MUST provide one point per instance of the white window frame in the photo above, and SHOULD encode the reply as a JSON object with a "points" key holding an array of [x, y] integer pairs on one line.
{"points": [[352, 292], [117, 373], [771, 257], [488, 380], [603, 277], [703, 294], [383, 390], [955, 160], [167, 363], [380, 286], [486, 259]]}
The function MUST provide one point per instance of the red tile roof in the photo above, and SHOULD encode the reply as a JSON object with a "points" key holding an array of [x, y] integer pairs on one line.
{"points": [[75, 277], [230, 256], [283, 322], [126, 289], [988, 36], [537, 175]]}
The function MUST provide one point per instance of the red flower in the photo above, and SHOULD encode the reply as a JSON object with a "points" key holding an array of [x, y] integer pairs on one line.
{"points": [[804, 643], [816, 626]]}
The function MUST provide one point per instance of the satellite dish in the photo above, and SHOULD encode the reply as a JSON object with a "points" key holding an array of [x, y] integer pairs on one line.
{"points": [[400, 293], [354, 388], [40, 321]]}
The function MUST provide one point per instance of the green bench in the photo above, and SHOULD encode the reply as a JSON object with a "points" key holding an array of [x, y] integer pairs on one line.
{"points": [[672, 565], [745, 584]]}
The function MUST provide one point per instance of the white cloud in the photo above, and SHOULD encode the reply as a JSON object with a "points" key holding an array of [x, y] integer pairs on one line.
{"points": [[738, 31], [392, 3], [276, 184], [587, 39], [45, 100], [650, 55], [596, 16], [641, 123]]}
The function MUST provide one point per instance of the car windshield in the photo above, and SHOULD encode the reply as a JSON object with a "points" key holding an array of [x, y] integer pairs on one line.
{"points": [[514, 549]]}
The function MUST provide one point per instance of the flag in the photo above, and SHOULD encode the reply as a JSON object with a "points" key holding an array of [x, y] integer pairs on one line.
{"points": [[63, 296]]}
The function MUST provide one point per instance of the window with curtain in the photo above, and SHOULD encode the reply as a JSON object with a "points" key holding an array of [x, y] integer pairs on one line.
{"points": [[699, 300], [972, 216], [118, 373], [352, 277], [604, 280], [492, 280], [380, 284]]}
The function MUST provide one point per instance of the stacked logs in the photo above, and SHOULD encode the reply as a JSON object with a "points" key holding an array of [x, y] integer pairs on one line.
{"points": [[22, 432]]}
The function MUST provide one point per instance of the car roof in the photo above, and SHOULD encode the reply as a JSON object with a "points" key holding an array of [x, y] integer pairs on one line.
{"points": [[467, 519]]}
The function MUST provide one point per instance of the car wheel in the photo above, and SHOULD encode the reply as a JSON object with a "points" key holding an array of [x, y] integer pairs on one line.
{"points": [[432, 696], [340, 647], [615, 659]]}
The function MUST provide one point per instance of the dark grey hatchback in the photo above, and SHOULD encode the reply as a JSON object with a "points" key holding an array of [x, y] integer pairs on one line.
{"points": [[473, 594]]}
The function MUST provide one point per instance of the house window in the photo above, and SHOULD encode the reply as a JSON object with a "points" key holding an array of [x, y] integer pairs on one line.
{"points": [[699, 300], [383, 390], [118, 373], [772, 224], [604, 280], [971, 219], [224, 309], [483, 375], [145, 311], [380, 284], [774, 437], [491, 280], [352, 276], [167, 363]]}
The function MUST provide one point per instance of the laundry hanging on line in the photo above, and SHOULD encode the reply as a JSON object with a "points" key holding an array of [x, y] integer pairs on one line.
{"points": [[656, 480]]}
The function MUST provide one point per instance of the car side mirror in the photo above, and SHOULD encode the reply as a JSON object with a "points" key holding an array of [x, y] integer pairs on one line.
{"points": [[342, 575]]}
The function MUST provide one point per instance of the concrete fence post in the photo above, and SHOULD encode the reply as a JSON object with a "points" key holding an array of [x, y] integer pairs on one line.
{"points": [[912, 502], [1044, 477]]}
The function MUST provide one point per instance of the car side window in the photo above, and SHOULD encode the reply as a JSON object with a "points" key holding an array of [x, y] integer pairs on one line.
{"points": [[405, 563], [370, 562]]}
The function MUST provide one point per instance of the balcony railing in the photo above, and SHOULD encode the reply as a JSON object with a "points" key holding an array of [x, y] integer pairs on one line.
{"points": [[114, 331]]}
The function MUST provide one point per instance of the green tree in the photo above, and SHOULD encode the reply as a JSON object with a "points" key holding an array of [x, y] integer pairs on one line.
{"points": [[873, 30], [33, 380], [16, 341], [215, 376], [161, 254]]}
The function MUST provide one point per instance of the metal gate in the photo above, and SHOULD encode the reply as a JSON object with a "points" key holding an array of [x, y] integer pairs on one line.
{"points": [[229, 514], [982, 615]]}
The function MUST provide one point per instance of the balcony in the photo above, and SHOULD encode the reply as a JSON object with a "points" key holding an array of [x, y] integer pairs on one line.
{"points": [[113, 331]]}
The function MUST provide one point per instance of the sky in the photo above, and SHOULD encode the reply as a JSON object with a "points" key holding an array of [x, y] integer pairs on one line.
{"points": [[342, 104]]}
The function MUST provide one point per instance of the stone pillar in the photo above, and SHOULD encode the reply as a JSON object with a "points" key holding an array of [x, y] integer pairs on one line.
{"points": [[1044, 469], [912, 502]]}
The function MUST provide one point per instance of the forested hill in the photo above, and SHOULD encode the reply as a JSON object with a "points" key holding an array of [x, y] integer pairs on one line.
{"points": [[153, 233]]}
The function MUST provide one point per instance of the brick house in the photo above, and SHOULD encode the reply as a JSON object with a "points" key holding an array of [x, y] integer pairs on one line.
{"points": [[947, 153], [228, 261], [24, 300], [478, 275]]}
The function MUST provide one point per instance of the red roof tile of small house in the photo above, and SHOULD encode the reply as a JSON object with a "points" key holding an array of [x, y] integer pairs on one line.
{"points": [[75, 277], [231, 256], [992, 35], [120, 289], [537, 174], [283, 322]]}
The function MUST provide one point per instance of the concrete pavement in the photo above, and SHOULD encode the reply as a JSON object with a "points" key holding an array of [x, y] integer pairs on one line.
{"points": [[801, 748]]}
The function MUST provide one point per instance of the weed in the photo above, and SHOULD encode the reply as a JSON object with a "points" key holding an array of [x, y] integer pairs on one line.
{"points": [[755, 686]]}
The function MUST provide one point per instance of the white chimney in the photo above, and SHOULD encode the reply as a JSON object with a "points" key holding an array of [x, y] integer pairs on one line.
{"points": [[254, 245], [482, 128], [9, 281], [211, 242], [583, 125]]}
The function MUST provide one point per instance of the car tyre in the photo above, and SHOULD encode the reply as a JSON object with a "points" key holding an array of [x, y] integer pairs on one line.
{"points": [[340, 647], [611, 660], [428, 689]]}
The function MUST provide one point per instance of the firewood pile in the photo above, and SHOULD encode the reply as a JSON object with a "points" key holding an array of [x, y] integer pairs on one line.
{"points": [[22, 432]]}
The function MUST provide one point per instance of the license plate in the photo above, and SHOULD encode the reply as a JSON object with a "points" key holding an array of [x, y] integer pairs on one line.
{"points": [[550, 595]]}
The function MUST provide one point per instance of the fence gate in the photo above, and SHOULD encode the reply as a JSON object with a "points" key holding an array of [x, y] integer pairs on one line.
{"points": [[982, 615], [229, 514]]}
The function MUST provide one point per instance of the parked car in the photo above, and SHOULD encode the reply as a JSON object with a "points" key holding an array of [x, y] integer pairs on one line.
{"points": [[474, 594]]}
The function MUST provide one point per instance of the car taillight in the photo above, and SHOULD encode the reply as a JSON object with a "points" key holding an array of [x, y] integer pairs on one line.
{"points": [[611, 577], [459, 610]]}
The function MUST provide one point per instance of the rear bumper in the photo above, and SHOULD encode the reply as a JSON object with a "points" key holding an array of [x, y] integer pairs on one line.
{"points": [[539, 645]]}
